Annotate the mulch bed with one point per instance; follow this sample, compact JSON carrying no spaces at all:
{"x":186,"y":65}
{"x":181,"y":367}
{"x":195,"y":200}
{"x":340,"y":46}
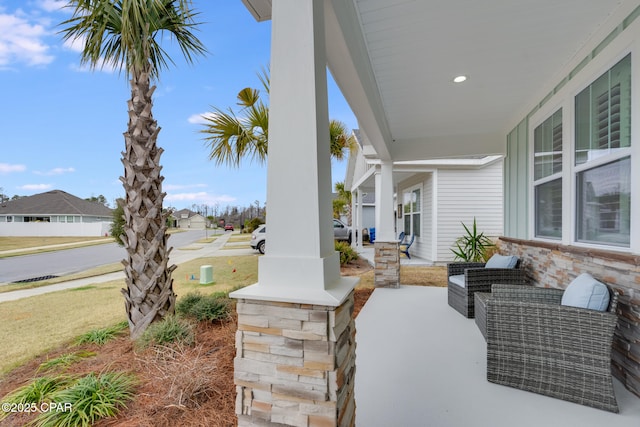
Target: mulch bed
{"x":204,"y":370}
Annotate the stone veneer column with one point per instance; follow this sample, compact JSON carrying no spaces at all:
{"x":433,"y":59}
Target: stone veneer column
{"x":387,"y":264}
{"x":295,"y":364}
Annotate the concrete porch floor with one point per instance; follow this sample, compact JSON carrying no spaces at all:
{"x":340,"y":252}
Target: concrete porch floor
{"x":420,"y":363}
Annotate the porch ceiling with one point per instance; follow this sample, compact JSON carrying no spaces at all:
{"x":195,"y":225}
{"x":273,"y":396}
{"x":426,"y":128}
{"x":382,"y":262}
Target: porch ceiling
{"x":395,"y":62}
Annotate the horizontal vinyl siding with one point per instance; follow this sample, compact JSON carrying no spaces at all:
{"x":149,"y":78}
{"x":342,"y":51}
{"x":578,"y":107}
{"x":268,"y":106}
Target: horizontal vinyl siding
{"x":360,"y":167}
{"x":463,"y":195}
{"x":421,"y":247}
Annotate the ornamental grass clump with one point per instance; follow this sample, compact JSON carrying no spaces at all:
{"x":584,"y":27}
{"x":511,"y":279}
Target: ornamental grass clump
{"x":37,"y":391}
{"x":215,"y":307}
{"x":65,"y":360}
{"x":169,"y":330}
{"x":88,"y":400}
{"x":101,"y":336}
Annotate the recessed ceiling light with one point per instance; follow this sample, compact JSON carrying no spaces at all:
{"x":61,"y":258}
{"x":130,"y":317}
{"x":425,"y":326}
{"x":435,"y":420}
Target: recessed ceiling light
{"x":459,"y":79}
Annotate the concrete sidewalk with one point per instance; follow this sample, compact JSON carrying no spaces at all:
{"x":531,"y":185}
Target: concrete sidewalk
{"x":177,"y":256}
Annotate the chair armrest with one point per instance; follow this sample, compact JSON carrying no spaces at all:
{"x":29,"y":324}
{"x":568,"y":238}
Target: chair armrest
{"x":550,"y":328}
{"x":456,"y":268}
{"x":485,"y":277}
{"x":526,"y":293}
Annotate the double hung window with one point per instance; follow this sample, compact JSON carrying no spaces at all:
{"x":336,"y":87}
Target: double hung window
{"x":547,"y":177}
{"x":412,"y":207}
{"x":603,"y":158}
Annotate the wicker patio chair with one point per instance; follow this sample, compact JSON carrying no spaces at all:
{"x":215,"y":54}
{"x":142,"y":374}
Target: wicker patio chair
{"x":477,"y":278}
{"x":536,"y":344}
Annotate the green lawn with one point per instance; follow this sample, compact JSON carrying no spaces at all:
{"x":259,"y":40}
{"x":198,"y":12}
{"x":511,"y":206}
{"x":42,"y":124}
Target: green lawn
{"x":34,"y":325}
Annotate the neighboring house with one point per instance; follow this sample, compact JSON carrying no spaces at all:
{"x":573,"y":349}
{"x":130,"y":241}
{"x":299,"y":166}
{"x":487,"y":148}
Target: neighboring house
{"x":551,"y":86}
{"x":433,"y":198}
{"x":186,"y":218}
{"x":54,"y":213}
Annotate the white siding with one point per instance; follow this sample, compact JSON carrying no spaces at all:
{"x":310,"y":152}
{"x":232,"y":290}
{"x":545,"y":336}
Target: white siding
{"x":360,"y":167}
{"x":422,"y":245}
{"x":463,"y":194}
{"x":43,"y":229}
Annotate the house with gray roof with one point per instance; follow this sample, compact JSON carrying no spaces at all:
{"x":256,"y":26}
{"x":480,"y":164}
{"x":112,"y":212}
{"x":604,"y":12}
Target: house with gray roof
{"x":186,"y":218}
{"x":54,"y":213}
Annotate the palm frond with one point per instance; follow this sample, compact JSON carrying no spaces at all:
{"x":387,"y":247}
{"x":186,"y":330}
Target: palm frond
{"x":125,"y":34}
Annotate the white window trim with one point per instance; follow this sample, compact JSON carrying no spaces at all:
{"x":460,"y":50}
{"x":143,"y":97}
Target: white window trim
{"x":410,"y":189}
{"x":565,"y":99}
{"x":536,"y":120}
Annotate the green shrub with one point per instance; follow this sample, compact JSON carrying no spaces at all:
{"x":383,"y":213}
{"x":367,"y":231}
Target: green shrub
{"x":169,"y":330}
{"x":90,"y":399}
{"x":347,"y":253}
{"x":212,"y":309}
{"x":252,"y":224}
{"x":185,"y":304}
{"x":205,"y":307}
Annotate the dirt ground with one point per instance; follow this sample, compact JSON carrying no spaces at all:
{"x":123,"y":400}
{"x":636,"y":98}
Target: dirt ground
{"x":178,"y":386}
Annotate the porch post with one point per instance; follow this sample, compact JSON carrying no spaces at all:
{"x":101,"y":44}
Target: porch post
{"x":295,"y":359}
{"x":359,"y":216}
{"x":387,"y":254}
{"x":356,"y":222}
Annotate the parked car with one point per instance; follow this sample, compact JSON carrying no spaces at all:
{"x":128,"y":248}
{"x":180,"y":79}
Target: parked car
{"x":258,"y":238}
{"x":228,"y":227}
{"x":341,"y":231}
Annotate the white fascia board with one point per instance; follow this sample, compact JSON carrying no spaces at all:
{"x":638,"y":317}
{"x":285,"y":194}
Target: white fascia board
{"x":259,"y":9}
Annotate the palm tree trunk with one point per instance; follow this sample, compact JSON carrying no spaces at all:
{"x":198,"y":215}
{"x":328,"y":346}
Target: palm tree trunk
{"x":149,"y":295}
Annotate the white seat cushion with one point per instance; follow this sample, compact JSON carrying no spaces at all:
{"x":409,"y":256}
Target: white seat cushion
{"x":586,"y":292}
{"x":502,"y":261}
{"x":458,"y":280}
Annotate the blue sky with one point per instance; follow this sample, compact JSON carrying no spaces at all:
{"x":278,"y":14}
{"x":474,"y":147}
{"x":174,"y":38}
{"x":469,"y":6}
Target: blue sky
{"x":62,"y":124}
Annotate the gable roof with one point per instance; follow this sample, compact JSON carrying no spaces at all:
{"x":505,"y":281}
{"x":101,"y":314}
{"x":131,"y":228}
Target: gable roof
{"x":189,"y":214}
{"x":55,"y":202}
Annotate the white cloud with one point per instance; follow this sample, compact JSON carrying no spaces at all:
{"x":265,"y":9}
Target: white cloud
{"x":55,"y":171}
{"x":201,"y":197}
{"x":22,"y":42}
{"x":35,"y":187}
{"x":6,"y":168}
{"x":174,"y":187}
{"x":199,"y":119}
{"x":77,"y":45}
{"x":53,"y":5}
{"x":74,"y":44}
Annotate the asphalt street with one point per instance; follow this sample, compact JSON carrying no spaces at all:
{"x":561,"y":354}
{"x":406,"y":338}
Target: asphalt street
{"x":68,"y":261}
{"x":178,"y":256}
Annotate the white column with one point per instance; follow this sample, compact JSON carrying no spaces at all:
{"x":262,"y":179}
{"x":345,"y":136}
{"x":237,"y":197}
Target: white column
{"x":385,"y":219}
{"x":359,"y":213}
{"x":300,"y":264}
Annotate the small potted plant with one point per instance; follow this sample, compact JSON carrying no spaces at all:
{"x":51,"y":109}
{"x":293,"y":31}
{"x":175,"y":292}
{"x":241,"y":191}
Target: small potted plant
{"x":472,"y":246}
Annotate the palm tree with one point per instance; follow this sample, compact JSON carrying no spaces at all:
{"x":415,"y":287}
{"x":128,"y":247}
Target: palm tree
{"x":342,"y":203}
{"x":234,"y":136}
{"x":124,"y":34}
